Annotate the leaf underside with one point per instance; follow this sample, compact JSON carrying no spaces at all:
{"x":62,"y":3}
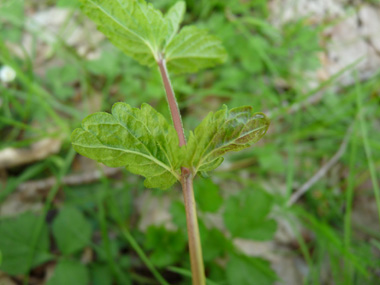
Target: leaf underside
{"x":222,"y":132}
{"x":194,"y":49}
{"x":145,"y":34}
{"x":146,"y":144}
{"x":133,"y":26}
{"x":139,"y":139}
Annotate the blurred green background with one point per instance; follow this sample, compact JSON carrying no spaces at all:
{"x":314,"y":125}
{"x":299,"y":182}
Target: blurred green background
{"x":301,"y":207}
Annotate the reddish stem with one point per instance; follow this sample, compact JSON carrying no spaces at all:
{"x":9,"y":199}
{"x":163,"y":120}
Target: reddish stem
{"x":195,"y":248}
{"x":174,"y":110}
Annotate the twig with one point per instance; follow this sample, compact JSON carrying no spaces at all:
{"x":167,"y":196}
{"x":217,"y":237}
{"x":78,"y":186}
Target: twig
{"x":323,"y":170}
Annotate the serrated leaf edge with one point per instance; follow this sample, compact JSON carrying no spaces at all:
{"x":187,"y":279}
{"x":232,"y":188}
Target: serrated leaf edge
{"x":225,"y":109}
{"x":125,"y":28}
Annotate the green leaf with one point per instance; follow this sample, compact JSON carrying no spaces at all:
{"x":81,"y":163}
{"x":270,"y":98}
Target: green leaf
{"x":133,"y":26}
{"x":101,"y":274}
{"x":16,"y":246}
{"x":71,"y":230}
{"x":69,"y":272}
{"x":143,"y":33}
{"x":207,"y":195}
{"x":193,"y":49}
{"x":221,"y":132}
{"x":167,"y":246}
{"x":215,"y":245}
{"x":254,"y":224}
{"x":139,"y":139}
{"x":173,"y":18}
{"x":244,"y":270}
{"x":178,"y":213}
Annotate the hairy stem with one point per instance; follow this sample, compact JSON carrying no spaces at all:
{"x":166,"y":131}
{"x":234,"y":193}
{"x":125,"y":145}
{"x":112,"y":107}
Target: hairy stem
{"x":195,"y":247}
{"x":172,"y":101}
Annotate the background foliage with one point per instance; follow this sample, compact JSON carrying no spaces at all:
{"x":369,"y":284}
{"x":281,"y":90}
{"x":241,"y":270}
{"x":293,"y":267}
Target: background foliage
{"x":72,"y":225}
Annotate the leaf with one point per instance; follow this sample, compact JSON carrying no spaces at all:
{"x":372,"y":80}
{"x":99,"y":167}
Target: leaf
{"x":193,"y":49}
{"x":221,"y":132}
{"x":168,"y":247}
{"x":207,"y":195}
{"x":244,"y":270}
{"x":139,"y":139}
{"x":16,"y":245}
{"x":254,"y":224}
{"x":143,"y":33}
{"x":133,"y":26}
{"x":215,"y":245}
{"x":71,"y":230}
{"x":101,"y":274}
{"x":178,"y":213}
{"x":173,"y":18}
{"x":69,"y":272}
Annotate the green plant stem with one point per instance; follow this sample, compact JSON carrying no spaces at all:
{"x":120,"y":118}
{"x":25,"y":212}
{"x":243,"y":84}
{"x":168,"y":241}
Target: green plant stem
{"x":195,"y":247}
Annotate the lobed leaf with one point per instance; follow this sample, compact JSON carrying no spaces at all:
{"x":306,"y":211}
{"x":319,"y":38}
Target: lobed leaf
{"x":193,"y":49}
{"x":139,"y":139}
{"x":221,"y":132}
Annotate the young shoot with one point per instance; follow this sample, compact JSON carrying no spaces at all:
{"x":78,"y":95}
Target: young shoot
{"x":141,"y":139}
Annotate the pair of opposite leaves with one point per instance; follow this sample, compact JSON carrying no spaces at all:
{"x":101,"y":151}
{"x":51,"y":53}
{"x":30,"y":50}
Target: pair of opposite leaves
{"x":145,"y":34}
{"x":145,"y":143}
